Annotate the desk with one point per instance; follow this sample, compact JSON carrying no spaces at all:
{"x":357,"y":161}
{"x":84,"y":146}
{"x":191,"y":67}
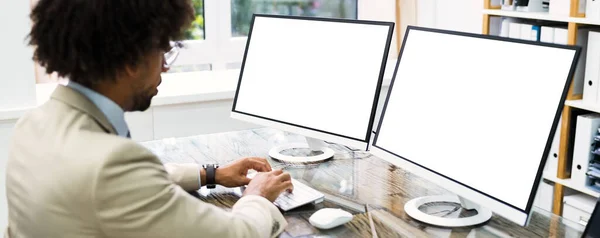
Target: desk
{"x":350,"y":180}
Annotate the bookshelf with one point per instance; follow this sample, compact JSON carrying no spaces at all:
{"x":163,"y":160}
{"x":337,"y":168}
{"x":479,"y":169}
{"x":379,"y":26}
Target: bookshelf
{"x":574,"y":105}
{"x":580,"y":104}
{"x":544,"y":16}
{"x":526,"y":15}
{"x":569,"y":184}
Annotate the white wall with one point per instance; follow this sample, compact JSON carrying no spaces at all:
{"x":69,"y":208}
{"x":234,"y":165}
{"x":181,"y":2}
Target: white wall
{"x":16,"y":65}
{"x":17,"y":79}
{"x":180,"y":120}
{"x":460,"y":15}
{"x":5,"y":132}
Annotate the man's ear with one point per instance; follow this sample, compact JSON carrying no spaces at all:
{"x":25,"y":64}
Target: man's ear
{"x":132,"y":70}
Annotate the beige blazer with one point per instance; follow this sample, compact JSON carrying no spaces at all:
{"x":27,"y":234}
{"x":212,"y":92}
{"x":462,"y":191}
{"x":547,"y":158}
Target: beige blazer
{"x":69,"y":175}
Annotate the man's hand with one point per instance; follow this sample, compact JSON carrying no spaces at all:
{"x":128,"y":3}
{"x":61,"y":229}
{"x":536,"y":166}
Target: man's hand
{"x":234,"y":174}
{"x":270,"y":185}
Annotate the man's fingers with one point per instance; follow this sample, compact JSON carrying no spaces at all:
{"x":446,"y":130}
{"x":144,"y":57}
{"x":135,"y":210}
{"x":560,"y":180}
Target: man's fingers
{"x":258,"y":165}
{"x":267,"y":163}
{"x":284,"y":177}
{"x":246,"y":180}
{"x":262,"y":160}
{"x":287,"y":185}
{"x":276,"y":172}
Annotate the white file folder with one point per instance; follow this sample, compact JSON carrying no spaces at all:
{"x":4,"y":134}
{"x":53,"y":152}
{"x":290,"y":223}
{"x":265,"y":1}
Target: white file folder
{"x":579,"y":77}
{"x":592,"y":73}
{"x":551,"y":167}
{"x":495,"y":26}
{"x":514,"y":30}
{"x":505,"y":27}
{"x":544,"y":196}
{"x":585,"y":130}
{"x":560,"y":7}
{"x":561,"y":36}
{"x":526,"y":32}
{"x":547,"y":34}
{"x":592,"y":9}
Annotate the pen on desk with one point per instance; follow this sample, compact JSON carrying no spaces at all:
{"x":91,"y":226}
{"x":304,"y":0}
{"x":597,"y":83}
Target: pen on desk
{"x":373,"y":231}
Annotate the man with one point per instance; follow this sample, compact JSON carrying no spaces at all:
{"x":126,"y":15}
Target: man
{"x":73,"y":172}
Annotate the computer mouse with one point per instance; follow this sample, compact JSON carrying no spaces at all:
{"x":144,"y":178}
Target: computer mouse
{"x":327,"y":218}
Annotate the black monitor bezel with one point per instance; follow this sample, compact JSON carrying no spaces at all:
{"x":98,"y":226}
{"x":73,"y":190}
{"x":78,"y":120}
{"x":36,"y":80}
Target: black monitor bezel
{"x":367,"y":137}
{"x":552,"y":130}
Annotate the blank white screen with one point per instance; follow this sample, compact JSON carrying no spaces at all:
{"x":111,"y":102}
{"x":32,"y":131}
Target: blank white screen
{"x":317,"y":74}
{"x":475,"y":110}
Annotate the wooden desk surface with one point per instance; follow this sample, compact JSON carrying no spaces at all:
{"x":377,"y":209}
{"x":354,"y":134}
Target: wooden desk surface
{"x":350,"y":180}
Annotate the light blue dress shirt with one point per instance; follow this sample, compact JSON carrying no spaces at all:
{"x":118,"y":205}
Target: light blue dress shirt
{"x":113,"y":112}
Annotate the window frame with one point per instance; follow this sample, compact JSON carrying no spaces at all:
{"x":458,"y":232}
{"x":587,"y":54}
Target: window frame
{"x":220,"y":48}
{"x":203,"y":51}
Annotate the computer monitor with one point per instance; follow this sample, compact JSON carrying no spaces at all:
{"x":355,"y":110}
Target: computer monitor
{"x":317,"y":77}
{"x":474,"y":114}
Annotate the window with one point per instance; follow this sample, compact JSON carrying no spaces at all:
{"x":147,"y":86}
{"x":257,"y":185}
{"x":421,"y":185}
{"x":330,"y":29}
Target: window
{"x":195,"y":35}
{"x":196,"y":31}
{"x":242,"y":10}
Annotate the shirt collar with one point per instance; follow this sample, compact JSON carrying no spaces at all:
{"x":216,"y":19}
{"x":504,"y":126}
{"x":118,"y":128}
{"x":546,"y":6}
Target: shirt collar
{"x":113,"y":112}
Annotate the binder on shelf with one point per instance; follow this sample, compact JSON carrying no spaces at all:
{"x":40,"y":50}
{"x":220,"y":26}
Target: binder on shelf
{"x":531,"y":6}
{"x":561,"y":36}
{"x":526,"y":32}
{"x":544,"y":196}
{"x":592,"y":70}
{"x":579,"y":76}
{"x":530,"y":32}
{"x":536,"y":33}
{"x":586,"y":129}
{"x":592,"y":9}
{"x":505,"y":27}
{"x":508,"y":5}
{"x":495,"y":2}
{"x":547,"y":34}
{"x":514,"y":30}
{"x":495,"y":26}
{"x":551,"y":167}
{"x":582,"y":6}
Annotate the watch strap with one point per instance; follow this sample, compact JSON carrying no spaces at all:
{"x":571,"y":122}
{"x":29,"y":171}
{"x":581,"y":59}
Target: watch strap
{"x":210,"y":175}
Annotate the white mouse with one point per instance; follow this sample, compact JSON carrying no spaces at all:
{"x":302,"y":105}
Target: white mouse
{"x":328,"y":218}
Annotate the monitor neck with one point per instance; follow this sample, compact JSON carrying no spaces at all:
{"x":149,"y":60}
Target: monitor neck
{"x":315,"y":144}
{"x":467,"y":204}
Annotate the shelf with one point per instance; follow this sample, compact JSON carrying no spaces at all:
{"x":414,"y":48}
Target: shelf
{"x":581,"y":20}
{"x":569,"y":183}
{"x":583,"y":105}
{"x":540,"y":16}
{"x":527,"y":15}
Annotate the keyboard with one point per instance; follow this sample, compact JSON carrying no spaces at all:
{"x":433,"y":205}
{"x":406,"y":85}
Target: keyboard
{"x":302,"y":195}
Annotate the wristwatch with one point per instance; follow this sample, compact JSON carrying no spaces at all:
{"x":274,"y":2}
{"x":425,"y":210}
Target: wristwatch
{"x":210,"y":169}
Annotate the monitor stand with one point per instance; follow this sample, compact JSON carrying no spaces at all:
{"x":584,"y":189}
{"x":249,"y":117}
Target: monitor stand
{"x":412,"y":209}
{"x":319,"y":152}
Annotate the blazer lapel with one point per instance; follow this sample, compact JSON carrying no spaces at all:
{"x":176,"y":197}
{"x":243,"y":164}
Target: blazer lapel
{"x":82,"y":103}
